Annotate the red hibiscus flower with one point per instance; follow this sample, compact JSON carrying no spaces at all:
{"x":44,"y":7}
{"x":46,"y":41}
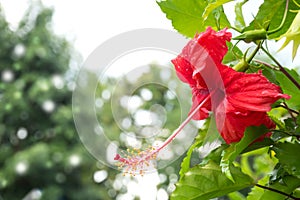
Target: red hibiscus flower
{"x":237,"y":99}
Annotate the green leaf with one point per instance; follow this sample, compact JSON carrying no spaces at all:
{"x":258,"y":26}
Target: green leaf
{"x":276,"y":20}
{"x":287,"y":154}
{"x":230,"y":154}
{"x":297,"y":131}
{"x":277,"y":121}
{"x":289,"y":88}
{"x":212,"y":131}
{"x":266,"y":142}
{"x":233,"y":54}
{"x":288,"y":185}
{"x":270,"y":74}
{"x":267,"y":11}
{"x":278,"y":135}
{"x":186,"y":16}
{"x":206,"y":182}
{"x":211,"y":6}
{"x":256,"y":192}
{"x":185,"y":165}
{"x":215,"y":155}
{"x":236,"y":196}
{"x":270,"y":15}
{"x":239,"y":18}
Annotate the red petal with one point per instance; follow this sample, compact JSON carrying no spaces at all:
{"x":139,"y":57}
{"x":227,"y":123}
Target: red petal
{"x":233,"y":125}
{"x":252,"y":92}
{"x":184,"y":70}
{"x":214,"y":42}
{"x":198,"y":97}
{"x":196,"y":64}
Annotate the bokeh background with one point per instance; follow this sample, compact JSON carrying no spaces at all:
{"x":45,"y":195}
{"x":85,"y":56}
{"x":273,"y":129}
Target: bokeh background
{"x":42,"y":47}
{"x":41,"y":155}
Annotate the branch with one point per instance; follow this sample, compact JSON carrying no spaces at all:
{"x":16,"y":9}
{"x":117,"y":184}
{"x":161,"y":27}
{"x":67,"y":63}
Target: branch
{"x":277,"y":191}
{"x":281,"y":68}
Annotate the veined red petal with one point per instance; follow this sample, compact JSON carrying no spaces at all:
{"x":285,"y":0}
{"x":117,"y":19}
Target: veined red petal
{"x":234,"y":124}
{"x":214,"y":42}
{"x":252,"y":92}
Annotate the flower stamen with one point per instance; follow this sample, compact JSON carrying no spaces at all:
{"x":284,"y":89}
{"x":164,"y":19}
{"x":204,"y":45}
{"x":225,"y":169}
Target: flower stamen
{"x":134,"y":160}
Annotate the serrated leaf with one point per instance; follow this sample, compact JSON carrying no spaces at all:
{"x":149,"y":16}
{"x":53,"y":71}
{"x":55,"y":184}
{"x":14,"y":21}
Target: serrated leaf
{"x":266,"y":12}
{"x":252,"y":133}
{"x":287,"y":154}
{"x":185,"y":164}
{"x":206,"y":182}
{"x":186,"y":16}
{"x":289,"y":88}
{"x":239,"y":21}
{"x":211,"y":6}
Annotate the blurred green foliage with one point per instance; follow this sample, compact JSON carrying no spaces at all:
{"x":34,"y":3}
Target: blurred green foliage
{"x":40,"y":153}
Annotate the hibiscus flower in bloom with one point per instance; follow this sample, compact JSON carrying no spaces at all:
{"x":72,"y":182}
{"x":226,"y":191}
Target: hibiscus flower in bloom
{"x":237,"y":99}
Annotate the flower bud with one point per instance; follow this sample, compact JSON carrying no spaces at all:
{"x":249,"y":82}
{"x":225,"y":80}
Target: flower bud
{"x":252,"y":36}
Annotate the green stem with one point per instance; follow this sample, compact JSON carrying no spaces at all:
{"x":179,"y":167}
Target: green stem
{"x":255,"y":51}
{"x":295,"y":2}
{"x":277,"y":191}
{"x":283,"y":19}
{"x":281,"y":68}
{"x":266,"y":64}
{"x":243,"y":65}
{"x":291,"y":110}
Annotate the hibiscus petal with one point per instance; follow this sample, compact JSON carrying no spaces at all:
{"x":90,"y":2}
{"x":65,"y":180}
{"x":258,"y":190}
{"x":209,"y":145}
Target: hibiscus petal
{"x":196,"y":64}
{"x":214,"y":42}
{"x":198,"y":97}
{"x":184,"y":70}
{"x":252,"y":92}
{"x":234,"y":124}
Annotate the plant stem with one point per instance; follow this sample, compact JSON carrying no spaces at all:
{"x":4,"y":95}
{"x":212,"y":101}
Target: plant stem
{"x":296,"y":3}
{"x":281,"y":68}
{"x":259,"y":45}
{"x":290,"y":112}
{"x":277,"y":191}
{"x":243,"y":65}
{"x":286,"y":107}
{"x":266,"y":64}
{"x":183,"y":124}
{"x":283,"y":19}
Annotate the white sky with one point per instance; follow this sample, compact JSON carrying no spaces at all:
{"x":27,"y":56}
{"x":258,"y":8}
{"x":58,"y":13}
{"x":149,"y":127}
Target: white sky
{"x":91,"y":22}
